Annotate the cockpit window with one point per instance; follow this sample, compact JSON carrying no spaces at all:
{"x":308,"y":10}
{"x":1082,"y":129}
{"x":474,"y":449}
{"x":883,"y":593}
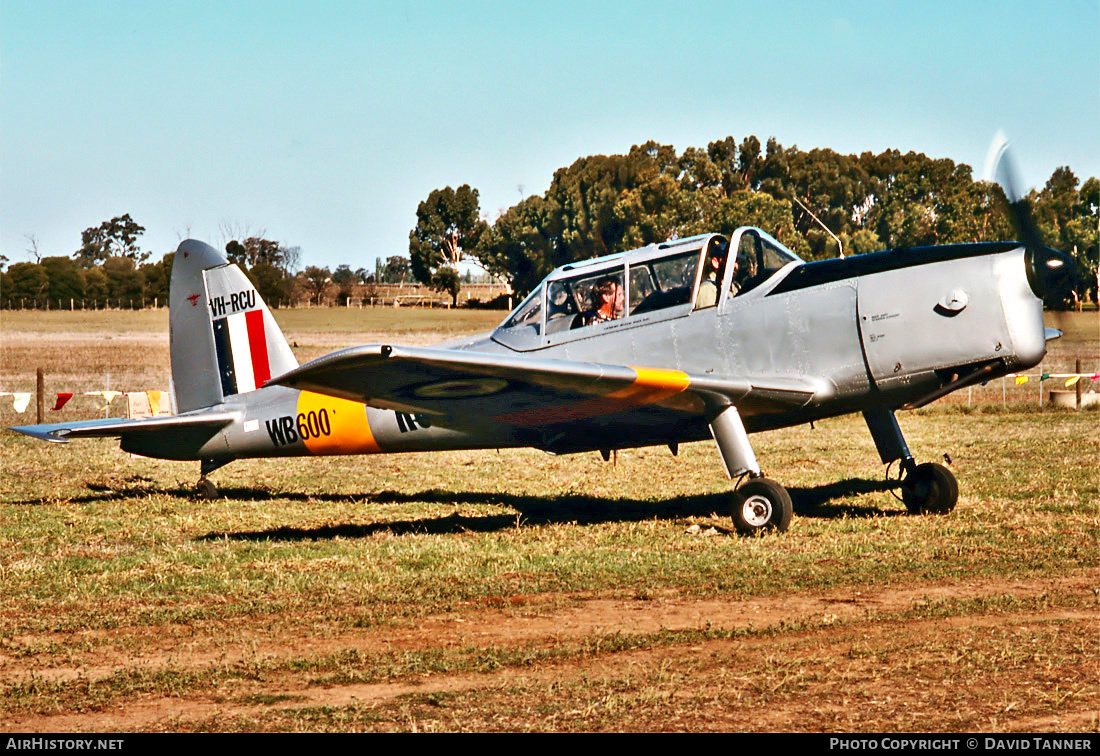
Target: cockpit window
{"x":656,"y":282}
{"x":663,"y":282}
{"x":757,"y":260}
{"x":585,"y":299}
{"x":529,"y":312}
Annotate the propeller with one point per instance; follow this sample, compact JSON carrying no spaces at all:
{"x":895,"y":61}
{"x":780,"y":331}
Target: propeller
{"x":1051,"y":274}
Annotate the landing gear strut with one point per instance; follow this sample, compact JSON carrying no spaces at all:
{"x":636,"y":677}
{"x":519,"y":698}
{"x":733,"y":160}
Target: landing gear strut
{"x":928,"y":488}
{"x":760,"y":504}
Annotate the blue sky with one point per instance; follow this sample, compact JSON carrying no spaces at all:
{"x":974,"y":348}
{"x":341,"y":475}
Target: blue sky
{"x":324,"y":124}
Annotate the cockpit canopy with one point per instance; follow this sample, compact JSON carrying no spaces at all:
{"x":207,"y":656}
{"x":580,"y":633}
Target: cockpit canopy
{"x":642,"y":286}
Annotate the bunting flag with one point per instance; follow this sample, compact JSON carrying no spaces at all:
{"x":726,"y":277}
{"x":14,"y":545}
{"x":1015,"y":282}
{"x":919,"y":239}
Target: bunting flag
{"x":63,"y":398}
{"x":154,"y":402}
{"x":1021,"y":379}
{"x":1043,"y":377}
{"x":1096,"y":376}
{"x":107,"y":395}
{"x":1073,"y":380}
{"x":22,"y":399}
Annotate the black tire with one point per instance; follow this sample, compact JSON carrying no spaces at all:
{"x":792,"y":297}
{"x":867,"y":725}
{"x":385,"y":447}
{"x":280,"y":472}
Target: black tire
{"x":761,"y":505}
{"x":206,"y":489}
{"x":930,"y":489}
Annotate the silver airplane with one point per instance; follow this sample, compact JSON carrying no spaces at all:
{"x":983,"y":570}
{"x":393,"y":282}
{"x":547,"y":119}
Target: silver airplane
{"x":671,"y":343}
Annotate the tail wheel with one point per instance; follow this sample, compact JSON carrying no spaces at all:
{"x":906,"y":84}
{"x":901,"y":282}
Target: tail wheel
{"x":760,"y":505}
{"x":930,"y":489}
{"x":206,"y":489}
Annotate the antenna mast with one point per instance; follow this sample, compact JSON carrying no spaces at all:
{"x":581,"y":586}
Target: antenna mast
{"x":839,"y":244}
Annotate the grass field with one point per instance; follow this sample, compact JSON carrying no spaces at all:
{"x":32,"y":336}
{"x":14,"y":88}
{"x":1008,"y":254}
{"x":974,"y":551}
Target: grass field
{"x":513,"y":590}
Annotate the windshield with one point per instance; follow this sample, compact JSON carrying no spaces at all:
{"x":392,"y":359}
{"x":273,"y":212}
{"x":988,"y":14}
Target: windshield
{"x":529,"y":312}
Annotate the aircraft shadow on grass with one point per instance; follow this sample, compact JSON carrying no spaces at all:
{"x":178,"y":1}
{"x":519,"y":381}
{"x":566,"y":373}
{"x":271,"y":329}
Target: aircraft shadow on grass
{"x":543,"y":510}
{"x":815,"y":501}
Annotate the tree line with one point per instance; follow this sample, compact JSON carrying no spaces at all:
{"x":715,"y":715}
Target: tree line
{"x":110,"y":269}
{"x":108,"y":266}
{"x":603,"y":204}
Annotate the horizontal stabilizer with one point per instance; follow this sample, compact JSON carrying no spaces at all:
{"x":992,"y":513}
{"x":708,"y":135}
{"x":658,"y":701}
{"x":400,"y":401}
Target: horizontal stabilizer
{"x":121,"y":427}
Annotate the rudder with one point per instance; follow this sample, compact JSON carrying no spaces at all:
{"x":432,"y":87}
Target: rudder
{"x":223,"y":338}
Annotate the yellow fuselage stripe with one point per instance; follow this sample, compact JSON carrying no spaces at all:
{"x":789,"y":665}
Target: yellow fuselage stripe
{"x":334,"y":426}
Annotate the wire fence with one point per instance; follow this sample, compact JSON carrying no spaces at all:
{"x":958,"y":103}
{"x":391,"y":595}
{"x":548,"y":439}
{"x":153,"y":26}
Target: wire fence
{"x":1045,"y":390}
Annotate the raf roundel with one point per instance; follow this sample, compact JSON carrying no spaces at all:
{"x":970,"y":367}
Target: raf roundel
{"x":462,"y":389}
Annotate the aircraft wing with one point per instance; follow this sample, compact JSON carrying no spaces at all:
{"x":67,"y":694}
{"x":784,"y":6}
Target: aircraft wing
{"x":469,"y":389}
{"x":121,"y":427}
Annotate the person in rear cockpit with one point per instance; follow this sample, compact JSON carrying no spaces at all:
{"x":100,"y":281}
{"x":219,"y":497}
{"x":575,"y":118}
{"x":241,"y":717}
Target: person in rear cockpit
{"x":712,"y":278}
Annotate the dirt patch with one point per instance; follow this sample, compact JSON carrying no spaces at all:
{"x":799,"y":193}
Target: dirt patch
{"x":831,"y":652}
{"x":522,"y":623}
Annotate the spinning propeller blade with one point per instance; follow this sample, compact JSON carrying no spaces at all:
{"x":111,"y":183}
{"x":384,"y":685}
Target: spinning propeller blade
{"x":1051,"y":274}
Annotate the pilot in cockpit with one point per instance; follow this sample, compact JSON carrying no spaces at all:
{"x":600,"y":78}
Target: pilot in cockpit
{"x":744,"y":264}
{"x":712,"y":276}
{"x":608,"y":303}
{"x":608,"y":299}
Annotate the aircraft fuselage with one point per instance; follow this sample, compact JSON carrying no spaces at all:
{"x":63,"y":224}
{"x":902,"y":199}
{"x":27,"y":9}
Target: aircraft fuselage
{"x":881,"y":330}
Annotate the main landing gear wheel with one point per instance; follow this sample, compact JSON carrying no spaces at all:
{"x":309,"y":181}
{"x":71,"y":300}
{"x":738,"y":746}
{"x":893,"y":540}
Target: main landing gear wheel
{"x":206,"y":489}
{"x":929,"y":489}
{"x":760,"y":505}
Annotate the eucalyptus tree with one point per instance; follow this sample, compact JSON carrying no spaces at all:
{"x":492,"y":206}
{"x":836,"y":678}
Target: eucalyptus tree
{"x":447,"y":229}
{"x":117,"y":237}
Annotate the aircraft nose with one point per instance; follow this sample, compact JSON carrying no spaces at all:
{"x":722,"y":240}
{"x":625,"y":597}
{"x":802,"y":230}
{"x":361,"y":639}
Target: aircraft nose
{"x":1050,"y":273}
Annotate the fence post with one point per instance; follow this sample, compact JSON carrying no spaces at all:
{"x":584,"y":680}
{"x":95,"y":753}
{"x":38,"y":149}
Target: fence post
{"x":41,"y":396}
{"x":1077,"y":369}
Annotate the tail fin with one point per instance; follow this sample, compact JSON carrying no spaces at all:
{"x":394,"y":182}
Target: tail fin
{"x":224,"y":340}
